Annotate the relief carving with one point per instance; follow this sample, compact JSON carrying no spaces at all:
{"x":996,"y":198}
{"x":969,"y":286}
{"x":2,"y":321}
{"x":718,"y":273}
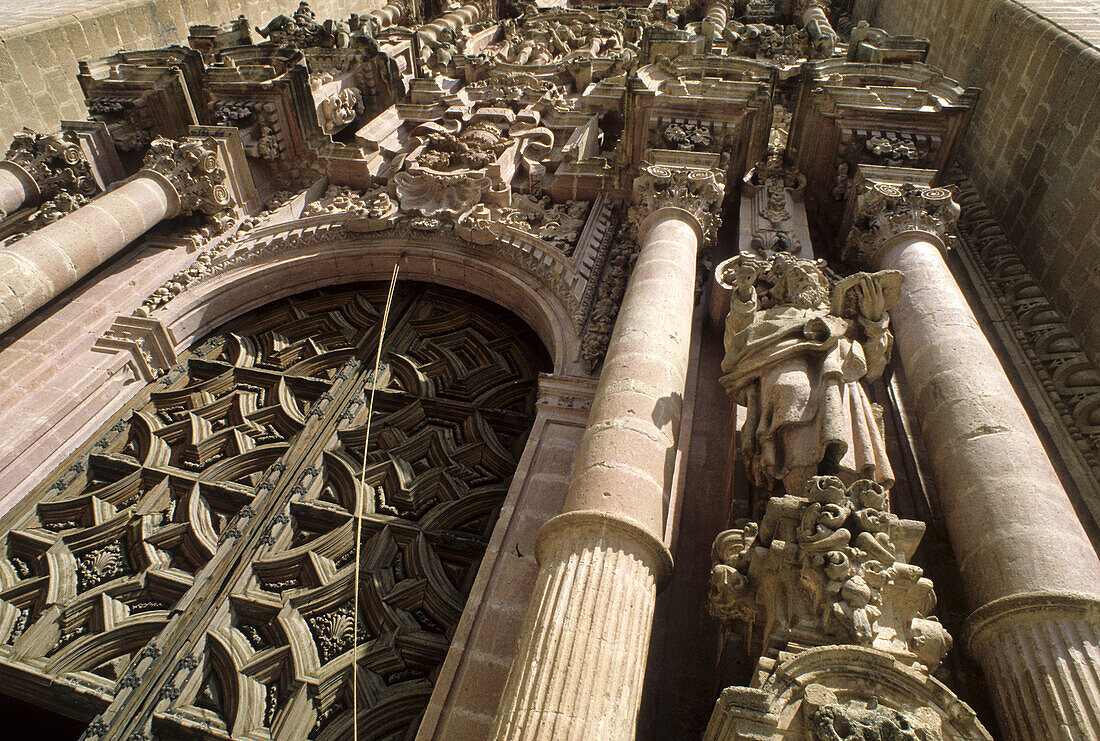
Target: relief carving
{"x":56,"y":164}
{"x":884,"y":211}
{"x":832,"y":564}
{"x":192,"y":168}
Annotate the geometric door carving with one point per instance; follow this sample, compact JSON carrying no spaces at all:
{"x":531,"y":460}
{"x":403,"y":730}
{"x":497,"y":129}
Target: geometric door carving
{"x":190,"y":571}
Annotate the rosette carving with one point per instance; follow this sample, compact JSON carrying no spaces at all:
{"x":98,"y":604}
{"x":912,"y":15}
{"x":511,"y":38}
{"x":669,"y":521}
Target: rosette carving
{"x":698,"y":191}
{"x":191,"y":166}
{"x":883,"y":211}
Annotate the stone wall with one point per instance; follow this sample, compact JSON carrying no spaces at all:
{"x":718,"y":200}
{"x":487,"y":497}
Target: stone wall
{"x":38,"y":61}
{"x":1033,"y":145}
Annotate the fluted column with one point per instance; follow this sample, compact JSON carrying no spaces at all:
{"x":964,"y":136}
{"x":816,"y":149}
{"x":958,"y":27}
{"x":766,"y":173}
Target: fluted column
{"x":38,"y":166}
{"x":581,"y":658}
{"x":1028,"y":567}
{"x":178,"y":178}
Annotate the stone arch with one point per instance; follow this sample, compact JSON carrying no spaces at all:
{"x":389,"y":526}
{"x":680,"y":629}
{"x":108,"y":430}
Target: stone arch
{"x":211,"y":303}
{"x":227,"y":494}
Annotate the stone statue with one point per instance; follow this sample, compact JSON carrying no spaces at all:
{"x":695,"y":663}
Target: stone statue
{"x":796,"y":357}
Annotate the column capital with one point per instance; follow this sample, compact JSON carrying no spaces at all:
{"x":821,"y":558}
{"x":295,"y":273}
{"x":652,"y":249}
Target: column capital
{"x":192,"y":168}
{"x":48,"y":163}
{"x":881,"y":211}
{"x":695,"y":191}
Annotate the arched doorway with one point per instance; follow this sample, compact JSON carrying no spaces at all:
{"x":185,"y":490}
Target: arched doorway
{"x":192,"y":566}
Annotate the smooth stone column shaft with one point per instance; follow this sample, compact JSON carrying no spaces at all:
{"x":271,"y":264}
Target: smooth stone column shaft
{"x":581,"y":659}
{"x":625,"y":460}
{"x":13,"y":188}
{"x":44,"y":263}
{"x":1012,"y":526}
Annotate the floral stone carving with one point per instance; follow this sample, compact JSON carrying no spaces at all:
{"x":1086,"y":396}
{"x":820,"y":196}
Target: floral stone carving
{"x":698,"y":191}
{"x":796,"y":353}
{"x":829,"y":567}
{"x":884,"y":211}
{"x":55,"y":163}
{"x":191,"y":166}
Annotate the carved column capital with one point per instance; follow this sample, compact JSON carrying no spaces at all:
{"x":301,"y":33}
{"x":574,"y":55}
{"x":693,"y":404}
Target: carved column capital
{"x":883,"y":211}
{"x":191,"y":167}
{"x":696,"y":191}
{"x":49,"y":163}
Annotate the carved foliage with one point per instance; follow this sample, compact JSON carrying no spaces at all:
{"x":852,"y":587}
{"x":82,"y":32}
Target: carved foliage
{"x":884,"y":210}
{"x":56,"y":163}
{"x":192,"y":168}
{"x":831,"y":567}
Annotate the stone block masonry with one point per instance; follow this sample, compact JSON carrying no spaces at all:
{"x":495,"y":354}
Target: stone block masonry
{"x":1032,"y":148}
{"x":40,"y":46}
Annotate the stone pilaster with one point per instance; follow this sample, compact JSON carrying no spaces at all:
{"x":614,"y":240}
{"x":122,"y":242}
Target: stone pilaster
{"x":179,"y":177}
{"x":581,"y":657}
{"x":37,"y":167}
{"x":1012,"y":526}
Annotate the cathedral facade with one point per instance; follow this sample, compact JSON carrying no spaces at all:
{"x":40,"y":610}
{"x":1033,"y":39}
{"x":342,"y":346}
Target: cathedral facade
{"x":536,"y":371}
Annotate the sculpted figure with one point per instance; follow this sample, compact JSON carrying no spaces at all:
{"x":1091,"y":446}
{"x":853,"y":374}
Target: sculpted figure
{"x":796,"y":360}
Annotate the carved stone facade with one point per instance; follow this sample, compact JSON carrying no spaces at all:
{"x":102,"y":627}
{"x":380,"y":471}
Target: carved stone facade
{"x":673,"y":378}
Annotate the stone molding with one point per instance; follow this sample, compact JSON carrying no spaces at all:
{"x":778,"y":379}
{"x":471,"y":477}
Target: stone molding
{"x":609,"y":528}
{"x":850,"y":684}
{"x":145,"y":339}
{"x":884,"y":211}
{"x":192,"y":169}
{"x":998,"y":615}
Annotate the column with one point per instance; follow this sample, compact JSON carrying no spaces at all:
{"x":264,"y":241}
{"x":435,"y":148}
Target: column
{"x":37,"y":167}
{"x":816,"y":23}
{"x":178,"y":177}
{"x":1028,"y":567}
{"x":578,"y":670}
{"x":387,"y":15}
{"x":714,"y":22}
{"x":453,"y":21}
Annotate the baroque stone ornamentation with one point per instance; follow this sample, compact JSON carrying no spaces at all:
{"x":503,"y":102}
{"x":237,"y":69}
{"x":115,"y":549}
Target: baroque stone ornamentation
{"x":884,"y":211}
{"x":193,"y":170}
{"x":255,"y":550}
{"x":797,"y":353}
{"x":694,"y":190}
{"x":831,"y":564}
{"x":55,"y":163}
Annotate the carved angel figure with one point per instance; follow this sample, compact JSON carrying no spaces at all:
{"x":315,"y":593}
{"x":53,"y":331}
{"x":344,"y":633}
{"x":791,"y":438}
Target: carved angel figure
{"x":797,"y":360}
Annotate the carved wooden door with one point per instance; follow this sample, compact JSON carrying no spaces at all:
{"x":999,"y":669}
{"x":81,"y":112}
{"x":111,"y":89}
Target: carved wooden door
{"x":190,"y":572}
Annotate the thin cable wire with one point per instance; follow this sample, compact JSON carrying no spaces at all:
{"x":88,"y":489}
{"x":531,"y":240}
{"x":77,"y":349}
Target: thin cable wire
{"x":359,"y":509}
